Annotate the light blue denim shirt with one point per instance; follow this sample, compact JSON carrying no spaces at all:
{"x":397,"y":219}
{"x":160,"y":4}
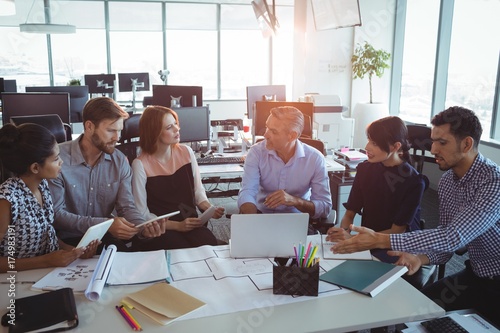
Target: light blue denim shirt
{"x":84,"y":196}
{"x":304,"y":176}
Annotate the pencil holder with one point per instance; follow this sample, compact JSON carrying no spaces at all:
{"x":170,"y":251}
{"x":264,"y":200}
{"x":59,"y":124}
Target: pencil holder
{"x":294,"y":280}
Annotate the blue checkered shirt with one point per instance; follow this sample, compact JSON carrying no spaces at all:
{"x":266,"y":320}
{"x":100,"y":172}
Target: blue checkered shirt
{"x":469,"y":215}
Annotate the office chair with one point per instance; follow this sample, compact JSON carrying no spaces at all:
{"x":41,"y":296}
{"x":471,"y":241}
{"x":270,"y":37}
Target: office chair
{"x":52,"y":122}
{"x":322,"y":225}
{"x":318,"y":144}
{"x":419,"y":137}
{"x":129,"y":140}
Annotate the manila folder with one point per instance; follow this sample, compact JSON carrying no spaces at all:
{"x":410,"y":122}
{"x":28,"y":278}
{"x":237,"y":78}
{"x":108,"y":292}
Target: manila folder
{"x":163,"y":302}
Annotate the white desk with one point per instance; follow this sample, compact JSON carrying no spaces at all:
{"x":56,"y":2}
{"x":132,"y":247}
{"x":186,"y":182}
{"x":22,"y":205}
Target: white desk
{"x":236,"y":170}
{"x":399,"y":303}
{"x":221,"y":170}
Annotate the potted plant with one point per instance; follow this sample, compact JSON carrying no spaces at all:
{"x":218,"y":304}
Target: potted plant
{"x":367,"y":61}
{"x":74,"y":82}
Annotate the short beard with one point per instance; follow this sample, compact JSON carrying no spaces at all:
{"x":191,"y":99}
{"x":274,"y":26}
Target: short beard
{"x":101,"y":145}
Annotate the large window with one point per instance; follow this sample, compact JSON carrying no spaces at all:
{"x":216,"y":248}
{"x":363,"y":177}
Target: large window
{"x":467,"y":70}
{"x":136,"y":42}
{"x":217,"y":46}
{"x":23,"y":57}
{"x":474,"y":53}
{"x":419,"y":56}
{"x":244,"y":53}
{"x":76,"y":55}
{"x":192,"y":46}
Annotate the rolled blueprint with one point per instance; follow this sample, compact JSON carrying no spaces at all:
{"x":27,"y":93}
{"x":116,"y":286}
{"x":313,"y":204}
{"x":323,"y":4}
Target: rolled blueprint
{"x":96,"y":285}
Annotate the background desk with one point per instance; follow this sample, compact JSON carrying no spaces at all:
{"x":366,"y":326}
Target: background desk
{"x":399,"y":303}
{"x":232,"y":173}
{"x":235,"y":170}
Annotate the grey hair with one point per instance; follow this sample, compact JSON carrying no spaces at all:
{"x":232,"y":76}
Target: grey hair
{"x":292,"y":116}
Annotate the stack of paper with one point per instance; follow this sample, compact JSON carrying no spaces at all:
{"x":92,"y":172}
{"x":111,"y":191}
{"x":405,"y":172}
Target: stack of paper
{"x":328,"y":254}
{"x":112,"y":268}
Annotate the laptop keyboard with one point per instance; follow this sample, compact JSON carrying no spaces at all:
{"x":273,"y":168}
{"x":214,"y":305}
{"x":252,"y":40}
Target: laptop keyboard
{"x":220,"y":160}
{"x":443,"y":325}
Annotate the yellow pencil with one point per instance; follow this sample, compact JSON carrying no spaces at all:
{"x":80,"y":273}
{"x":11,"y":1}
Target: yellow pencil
{"x":312,"y":256}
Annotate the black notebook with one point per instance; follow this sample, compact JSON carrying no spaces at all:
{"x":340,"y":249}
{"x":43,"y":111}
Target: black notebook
{"x":48,"y":312}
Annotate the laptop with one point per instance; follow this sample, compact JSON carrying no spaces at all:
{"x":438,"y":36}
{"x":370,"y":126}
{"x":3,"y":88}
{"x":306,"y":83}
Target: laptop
{"x":267,"y":235}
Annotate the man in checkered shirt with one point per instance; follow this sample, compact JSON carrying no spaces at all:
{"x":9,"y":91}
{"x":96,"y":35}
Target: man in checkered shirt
{"x":469,"y":215}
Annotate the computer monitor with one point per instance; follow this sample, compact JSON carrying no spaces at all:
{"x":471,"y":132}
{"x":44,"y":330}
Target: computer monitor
{"x":127,"y":82}
{"x":7,"y":86}
{"x":100,"y":83}
{"x":133,"y":82}
{"x":10,"y":86}
{"x":162,"y":95}
{"x":263,"y":110}
{"x":194,"y":123}
{"x":264,"y":93}
{"x":78,"y":96}
{"x":35,"y":103}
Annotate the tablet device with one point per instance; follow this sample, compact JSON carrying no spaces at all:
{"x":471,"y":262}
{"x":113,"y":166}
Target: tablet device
{"x":157,"y":218}
{"x":95,"y":232}
{"x":207,"y":215}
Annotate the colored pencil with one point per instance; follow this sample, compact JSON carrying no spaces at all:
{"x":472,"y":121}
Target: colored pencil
{"x":124,"y":315}
{"x":136,"y":324}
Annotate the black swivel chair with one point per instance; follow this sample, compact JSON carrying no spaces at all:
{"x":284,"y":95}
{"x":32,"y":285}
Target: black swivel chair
{"x":420,"y":143}
{"x":52,"y":122}
{"x":129,"y":140}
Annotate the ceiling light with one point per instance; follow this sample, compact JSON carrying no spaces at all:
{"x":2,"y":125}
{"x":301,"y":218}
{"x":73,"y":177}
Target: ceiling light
{"x":47,"y":28}
{"x":7,"y":7}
